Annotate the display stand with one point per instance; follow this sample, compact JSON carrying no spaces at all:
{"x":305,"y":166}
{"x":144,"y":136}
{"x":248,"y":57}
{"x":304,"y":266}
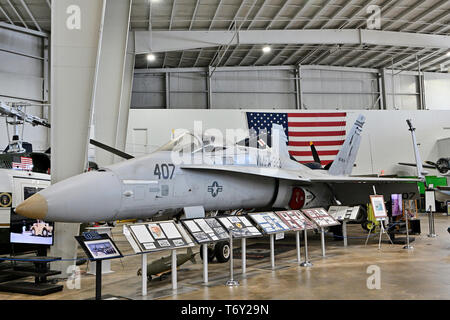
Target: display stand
{"x":205,"y":263}
{"x":106,"y":265}
{"x":322,"y":239}
{"x":98,"y":247}
{"x":231,"y":282}
{"x":244,"y":255}
{"x":98,"y":280}
{"x":408,"y":247}
{"x":297,"y":242}
{"x":344,"y":232}
{"x":174,"y":270}
{"x":382,"y":231}
{"x":40,"y":272}
{"x":430,"y":204}
{"x":144,"y":274}
{"x":431,"y":233}
{"x":272,"y":251}
{"x":306,"y":263}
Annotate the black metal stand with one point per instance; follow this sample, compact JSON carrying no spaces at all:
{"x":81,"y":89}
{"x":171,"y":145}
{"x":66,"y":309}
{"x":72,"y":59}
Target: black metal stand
{"x":98,"y":280}
{"x":40,"y":272}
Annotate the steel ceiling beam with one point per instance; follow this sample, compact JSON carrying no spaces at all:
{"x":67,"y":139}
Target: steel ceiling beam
{"x":30,"y":14}
{"x":172,"y":14}
{"x":190,"y":27}
{"x":277,"y":14}
{"x":439,"y":19}
{"x":233,"y":23}
{"x":6,"y":15}
{"x":17,"y":13}
{"x":215,"y":14}
{"x":437,"y":65}
{"x":248,"y":27}
{"x":182,"y":40}
{"x":440,"y":56}
{"x":385,"y":9}
{"x":387,"y":25}
{"x":420,"y":16}
{"x":342,"y":26}
{"x":425,"y":13}
{"x":334,"y":15}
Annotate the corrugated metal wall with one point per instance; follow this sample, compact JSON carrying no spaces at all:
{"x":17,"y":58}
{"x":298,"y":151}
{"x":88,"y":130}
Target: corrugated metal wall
{"x":260,"y":88}
{"x":22,"y":66}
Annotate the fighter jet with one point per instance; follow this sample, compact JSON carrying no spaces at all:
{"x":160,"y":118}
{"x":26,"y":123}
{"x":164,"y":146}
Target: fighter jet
{"x":189,"y":172}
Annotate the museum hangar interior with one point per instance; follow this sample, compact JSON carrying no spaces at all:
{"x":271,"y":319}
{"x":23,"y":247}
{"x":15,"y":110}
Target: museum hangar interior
{"x":224,"y":149}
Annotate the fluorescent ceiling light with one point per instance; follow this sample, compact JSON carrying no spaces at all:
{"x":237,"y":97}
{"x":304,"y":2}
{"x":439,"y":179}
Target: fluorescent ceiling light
{"x":266,"y":49}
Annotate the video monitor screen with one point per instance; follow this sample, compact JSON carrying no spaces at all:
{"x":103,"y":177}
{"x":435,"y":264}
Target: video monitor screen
{"x":29,"y":231}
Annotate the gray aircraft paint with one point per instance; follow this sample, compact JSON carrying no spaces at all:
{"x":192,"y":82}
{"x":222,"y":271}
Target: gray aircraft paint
{"x":152,"y":185}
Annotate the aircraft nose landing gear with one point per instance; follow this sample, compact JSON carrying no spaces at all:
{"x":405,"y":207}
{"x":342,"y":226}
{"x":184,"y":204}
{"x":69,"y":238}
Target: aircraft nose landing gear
{"x":220,"y":250}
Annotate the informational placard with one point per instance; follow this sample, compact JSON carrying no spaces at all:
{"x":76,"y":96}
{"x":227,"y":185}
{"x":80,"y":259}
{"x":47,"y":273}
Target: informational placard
{"x":155,"y":236}
{"x":269,"y":222}
{"x":320,"y":217}
{"x":342,"y":213}
{"x":205,"y":230}
{"x":241,"y":225}
{"x":379,"y":209}
{"x":295,"y":220}
{"x":430,"y":201}
{"x":98,"y":246}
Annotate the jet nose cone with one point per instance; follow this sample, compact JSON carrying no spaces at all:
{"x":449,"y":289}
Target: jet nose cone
{"x":35,"y":207}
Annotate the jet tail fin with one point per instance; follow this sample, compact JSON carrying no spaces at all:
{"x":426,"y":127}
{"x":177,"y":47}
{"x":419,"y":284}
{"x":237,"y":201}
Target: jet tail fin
{"x":280,"y":149}
{"x":190,"y":253}
{"x":343,"y":164}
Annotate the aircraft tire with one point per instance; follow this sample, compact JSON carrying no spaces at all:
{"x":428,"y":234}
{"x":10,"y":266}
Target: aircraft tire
{"x":362,"y":215}
{"x":222,"y":251}
{"x":211,"y":254}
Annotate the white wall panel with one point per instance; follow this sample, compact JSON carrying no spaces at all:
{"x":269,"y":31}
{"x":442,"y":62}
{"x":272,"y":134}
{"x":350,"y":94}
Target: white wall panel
{"x":437,"y":91}
{"x":385,"y":139}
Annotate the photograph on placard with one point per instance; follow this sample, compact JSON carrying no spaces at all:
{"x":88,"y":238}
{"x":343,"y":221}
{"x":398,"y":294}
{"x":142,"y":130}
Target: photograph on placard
{"x":379,"y":208}
{"x":156,"y":231}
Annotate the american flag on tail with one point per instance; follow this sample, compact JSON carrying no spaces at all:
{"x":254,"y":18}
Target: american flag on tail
{"x":325,"y":129}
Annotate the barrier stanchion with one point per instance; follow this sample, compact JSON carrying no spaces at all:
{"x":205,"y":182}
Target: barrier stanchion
{"x":307,"y":263}
{"x":231,"y":282}
{"x":174,"y":270}
{"x":144,"y":274}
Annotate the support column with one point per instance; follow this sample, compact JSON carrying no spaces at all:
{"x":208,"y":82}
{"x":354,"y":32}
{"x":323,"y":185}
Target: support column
{"x":108,"y":89}
{"x":299,"y":88}
{"x":125,"y":98}
{"x":208,"y":85}
{"x":74,"y":51}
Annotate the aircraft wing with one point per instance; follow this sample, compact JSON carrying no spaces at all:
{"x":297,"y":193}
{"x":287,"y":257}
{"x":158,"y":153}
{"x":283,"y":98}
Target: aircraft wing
{"x":350,"y":179}
{"x":415,"y":165}
{"x":258,"y":171}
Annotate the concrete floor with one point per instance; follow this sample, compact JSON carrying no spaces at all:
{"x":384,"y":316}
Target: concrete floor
{"x":422,"y":273}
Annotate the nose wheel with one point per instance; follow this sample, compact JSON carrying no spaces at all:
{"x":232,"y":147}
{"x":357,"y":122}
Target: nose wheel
{"x":220,"y":250}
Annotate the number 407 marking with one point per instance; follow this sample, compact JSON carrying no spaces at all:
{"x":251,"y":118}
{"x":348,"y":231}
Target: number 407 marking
{"x":164,"y":171}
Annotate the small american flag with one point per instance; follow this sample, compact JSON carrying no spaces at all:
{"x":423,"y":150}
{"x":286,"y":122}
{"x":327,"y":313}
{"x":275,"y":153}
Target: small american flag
{"x":25,"y":164}
{"x":325,"y":129}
